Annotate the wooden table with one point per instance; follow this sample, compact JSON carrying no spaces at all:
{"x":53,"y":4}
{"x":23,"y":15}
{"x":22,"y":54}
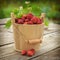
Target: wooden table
{"x":49,"y":49}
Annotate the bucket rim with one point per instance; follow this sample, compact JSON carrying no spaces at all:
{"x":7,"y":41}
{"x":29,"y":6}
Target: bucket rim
{"x":29,"y":24}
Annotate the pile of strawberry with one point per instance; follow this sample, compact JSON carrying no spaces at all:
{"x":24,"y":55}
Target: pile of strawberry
{"x":30,"y":52}
{"x":28,"y":19}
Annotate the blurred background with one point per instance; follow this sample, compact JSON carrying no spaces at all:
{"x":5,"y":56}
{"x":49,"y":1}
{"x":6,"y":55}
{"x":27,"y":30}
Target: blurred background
{"x":50,"y":7}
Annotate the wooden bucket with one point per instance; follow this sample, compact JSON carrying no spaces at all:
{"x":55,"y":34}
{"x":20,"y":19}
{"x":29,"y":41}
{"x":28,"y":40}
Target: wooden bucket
{"x":27,"y":36}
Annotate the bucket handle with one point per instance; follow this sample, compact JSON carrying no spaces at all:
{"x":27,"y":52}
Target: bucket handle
{"x":34,"y":41}
{"x":13,"y":17}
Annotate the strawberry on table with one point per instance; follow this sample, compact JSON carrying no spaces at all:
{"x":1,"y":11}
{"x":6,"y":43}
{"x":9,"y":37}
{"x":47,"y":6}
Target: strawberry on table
{"x":31,"y":52}
{"x":23,"y":52}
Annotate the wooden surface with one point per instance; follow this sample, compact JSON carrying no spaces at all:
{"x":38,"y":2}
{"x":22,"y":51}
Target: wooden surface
{"x":50,"y":46}
{"x":52,"y":55}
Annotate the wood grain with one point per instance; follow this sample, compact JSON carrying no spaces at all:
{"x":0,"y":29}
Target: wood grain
{"x":5,"y":36}
{"x":51,"y":41}
{"x":52,"y":55}
{"x":3,"y":21}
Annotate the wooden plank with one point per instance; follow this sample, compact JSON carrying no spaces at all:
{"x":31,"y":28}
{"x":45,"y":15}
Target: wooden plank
{"x":50,"y":41}
{"x":54,"y":26}
{"x":5,"y":36}
{"x":52,"y":55}
{"x":3,"y":21}
{"x":15,"y":56}
{"x":6,"y":49}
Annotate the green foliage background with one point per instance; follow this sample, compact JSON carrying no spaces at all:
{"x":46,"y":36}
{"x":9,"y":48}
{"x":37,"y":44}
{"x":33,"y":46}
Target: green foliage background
{"x":50,"y":7}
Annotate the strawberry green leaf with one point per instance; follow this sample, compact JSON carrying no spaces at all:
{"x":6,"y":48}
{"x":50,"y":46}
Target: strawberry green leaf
{"x":8,"y":24}
{"x":15,"y":11}
{"x":46,"y":21}
{"x":19,"y":15}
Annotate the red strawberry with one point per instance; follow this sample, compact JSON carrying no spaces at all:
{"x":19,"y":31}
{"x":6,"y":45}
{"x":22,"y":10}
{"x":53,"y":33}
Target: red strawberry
{"x":24,"y":17}
{"x":32,"y":50}
{"x":29,"y":22}
{"x":39,"y":21}
{"x":30,"y":53}
{"x":23,"y":52}
{"x":29,"y":16}
{"x":20,"y":21}
{"x":34,"y":20}
{"x":16,"y":20}
{"x":26,"y":20}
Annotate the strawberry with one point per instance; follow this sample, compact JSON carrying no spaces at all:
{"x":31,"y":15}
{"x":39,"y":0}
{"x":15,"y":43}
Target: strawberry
{"x":39,"y":21}
{"x":26,"y":20}
{"x":16,"y":20}
{"x":31,"y":52}
{"x":24,"y":17}
{"x":34,"y":20}
{"x":29,"y":22}
{"x":20,"y":21}
{"x":29,"y":16}
{"x":23,"y":52}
